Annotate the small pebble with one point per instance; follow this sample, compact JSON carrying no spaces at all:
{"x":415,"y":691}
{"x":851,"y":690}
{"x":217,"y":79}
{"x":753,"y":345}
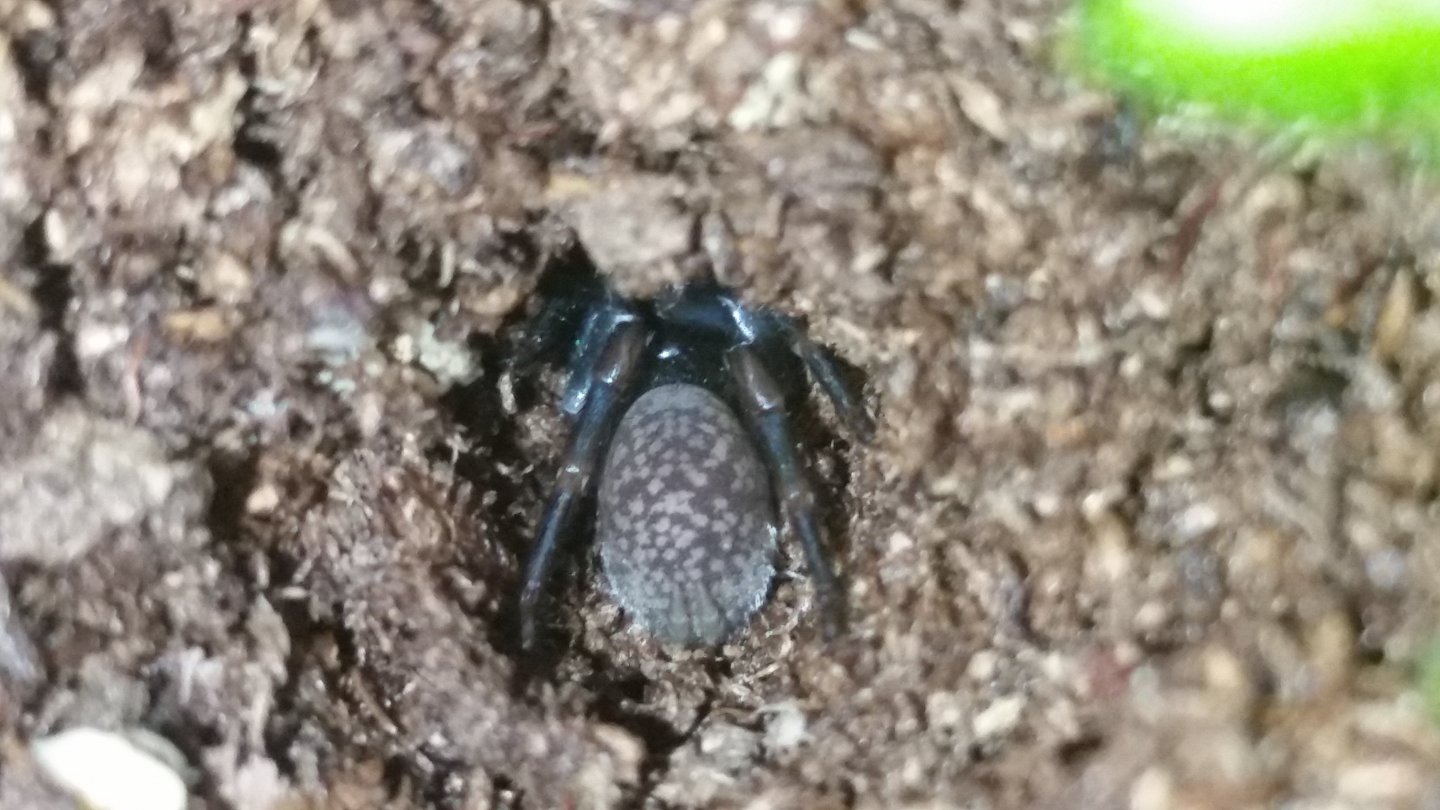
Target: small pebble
{"x":1397,"y":312}
{"x":105,"y":771}
{"x":999,"y":718}
{"x":262,"y":500}
{"x":982,"y":666}
{"x":627,"y":752}
{"x":944,"y":710}
{"x":1381,"y":783}
{"x":983,"y":108}
{"x":1109,"y":557}
{"x":1197,"y":520}
{"x":59,"y":237}
{"x":785,"y":728}
{"x":226,"y":278}
{"x":1152,"y":791}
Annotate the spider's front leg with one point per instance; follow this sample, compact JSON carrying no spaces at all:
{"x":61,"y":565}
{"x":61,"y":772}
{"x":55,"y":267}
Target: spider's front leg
{"x":765,"y":405}
{"x":603,"y":321}
{"x":725,"y":314}
{"x":606,"y":380}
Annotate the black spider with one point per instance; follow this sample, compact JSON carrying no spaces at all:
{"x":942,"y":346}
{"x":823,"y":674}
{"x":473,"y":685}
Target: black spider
{"x":685,"y":513}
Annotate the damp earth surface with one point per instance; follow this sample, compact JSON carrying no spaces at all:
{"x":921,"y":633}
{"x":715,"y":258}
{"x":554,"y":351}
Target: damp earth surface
{"x":1148,"y":520}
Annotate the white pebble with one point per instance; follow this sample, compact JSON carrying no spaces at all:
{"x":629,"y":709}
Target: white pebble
{"x":105,"y":771}
{"x":785,"y":728}
{"x":944,"y":710}
{"x":999,"y":718}
{"x":982,"y":666}
{"x":1152,"y":791}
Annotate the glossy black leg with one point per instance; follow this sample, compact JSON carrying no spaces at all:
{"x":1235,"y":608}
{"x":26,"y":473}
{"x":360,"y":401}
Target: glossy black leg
{"x":600,"y":323}
{"x":765,"y":406}
{"x":609,"y":376}
{"x":724,"y":315}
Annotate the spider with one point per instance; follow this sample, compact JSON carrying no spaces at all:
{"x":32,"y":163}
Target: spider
{"x":687,"y":490}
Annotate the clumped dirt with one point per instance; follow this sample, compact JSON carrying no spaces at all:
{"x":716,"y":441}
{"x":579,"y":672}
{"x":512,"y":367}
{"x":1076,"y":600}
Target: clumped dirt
{"x":1149,"y":521}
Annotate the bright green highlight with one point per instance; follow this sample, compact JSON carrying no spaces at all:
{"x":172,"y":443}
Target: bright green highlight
{"x":1353,"y":65}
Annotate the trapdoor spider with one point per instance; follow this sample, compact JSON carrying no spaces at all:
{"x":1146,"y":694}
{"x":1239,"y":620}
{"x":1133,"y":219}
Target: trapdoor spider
{"x":687,"y":493}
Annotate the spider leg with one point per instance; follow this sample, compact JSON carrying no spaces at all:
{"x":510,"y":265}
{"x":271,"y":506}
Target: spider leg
{"x":555,"y":325}
{"x":826,"y":373}
{"x":726,"y":315}
{"x":606,"y":383}
{"x":765,"y":405}
{"x":600,"y":323}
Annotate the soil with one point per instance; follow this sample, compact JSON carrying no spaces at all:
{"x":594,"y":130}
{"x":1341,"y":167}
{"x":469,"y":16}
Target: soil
{"x":1148,"y":522}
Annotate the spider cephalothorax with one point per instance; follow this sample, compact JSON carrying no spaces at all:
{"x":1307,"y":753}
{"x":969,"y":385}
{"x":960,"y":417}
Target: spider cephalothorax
{"x":678,"y":414}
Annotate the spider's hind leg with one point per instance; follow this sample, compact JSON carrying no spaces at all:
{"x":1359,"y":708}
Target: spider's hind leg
{"x":607,"y":378}
{"x":825,"y":371}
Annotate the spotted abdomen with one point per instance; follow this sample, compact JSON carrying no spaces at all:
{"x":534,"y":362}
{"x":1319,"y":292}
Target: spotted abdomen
{"x":686,"y":527}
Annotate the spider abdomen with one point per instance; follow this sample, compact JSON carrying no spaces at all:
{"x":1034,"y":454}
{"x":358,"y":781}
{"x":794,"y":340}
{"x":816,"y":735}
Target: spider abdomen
{"x":686,"y":525}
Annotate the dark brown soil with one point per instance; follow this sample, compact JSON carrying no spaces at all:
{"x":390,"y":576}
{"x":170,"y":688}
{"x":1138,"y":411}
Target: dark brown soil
{"x":1149,"y":522}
